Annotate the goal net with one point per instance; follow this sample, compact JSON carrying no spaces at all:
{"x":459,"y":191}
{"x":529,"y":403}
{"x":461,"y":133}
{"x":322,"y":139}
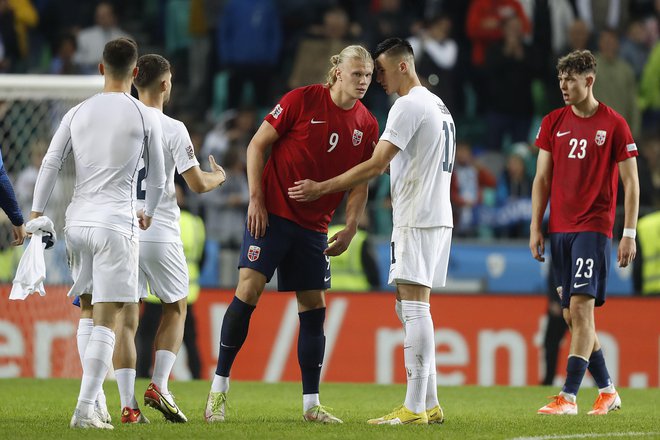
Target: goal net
{"x":37,"y":335}
{"x":31,"y":108}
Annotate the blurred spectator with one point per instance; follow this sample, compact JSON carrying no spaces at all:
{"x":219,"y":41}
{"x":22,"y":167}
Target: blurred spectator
{"x":649,"y":90}
{"x":355,"y":270}
{"x":9,"y":50}
{"x":225,"y":211}
{"x":615,"y":84}
{"x":509,"y":67}
{"x":234,"y":127}
{"x":551,"y":20}
{"x":63,"y":62}
{"x":436,"y":54}
{"x":604,"y":14}
{"x":485,"y":24}
{"x":249,"y":42}
{"x":330,"y":39}
{"x":9,"y":255}
{"x":202,"y":29}
{"x":468,"y":181}
{"x":579,"y":38}
{"x":484,"y":27}
{"x":380,"y":206}
{"x":388,"y":18}
{"x":513,"y":186}
{"x":26,"y":179}
{"x":635,"y":47}
{"x":25,"y":19}
{"x":649,"y":170}
{"x":646,"y":267}
{"x":92,"y":40}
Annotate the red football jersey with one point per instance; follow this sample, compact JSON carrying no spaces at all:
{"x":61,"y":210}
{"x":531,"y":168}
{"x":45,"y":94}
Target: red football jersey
{"x":318,"y":141}
{"x":585,"y":153}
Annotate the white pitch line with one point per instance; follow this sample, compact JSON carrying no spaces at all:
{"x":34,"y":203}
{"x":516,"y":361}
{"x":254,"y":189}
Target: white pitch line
{"x":591,"y":435}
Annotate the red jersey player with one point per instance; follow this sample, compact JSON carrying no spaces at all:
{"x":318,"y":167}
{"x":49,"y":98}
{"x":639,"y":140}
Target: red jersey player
{"x":584,"y":146}
{"x":317,"y":131}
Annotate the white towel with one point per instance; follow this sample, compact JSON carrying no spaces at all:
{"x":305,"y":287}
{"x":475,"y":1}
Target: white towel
{"x":31,"y":271}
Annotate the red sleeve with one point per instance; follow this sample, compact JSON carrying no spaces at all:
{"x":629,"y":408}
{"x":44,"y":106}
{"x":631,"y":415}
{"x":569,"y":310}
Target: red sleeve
{"x":286,"y":112}
{"x":372,"y":140}
{"x":543,"y":136}
{"x":622,"y":141}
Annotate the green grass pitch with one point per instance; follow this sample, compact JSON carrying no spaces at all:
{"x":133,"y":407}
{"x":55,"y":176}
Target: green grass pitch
{"x":33,"y":408}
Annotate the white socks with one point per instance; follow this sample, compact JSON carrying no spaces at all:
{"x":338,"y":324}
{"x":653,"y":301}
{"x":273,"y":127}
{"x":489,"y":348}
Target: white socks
{"x":163,"y":363}
{"x":220,"y":384}
{"x":310,"y":401}
{"x":85,"y":327}
{"x":126,"y":384}
{"x":418,"y":349}
{"x":96,"y":363}
{"x":431,"y":387}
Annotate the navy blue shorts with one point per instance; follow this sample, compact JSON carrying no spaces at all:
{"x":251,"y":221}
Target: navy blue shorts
{"x":580,"y":262}
{"x":296,"y":252}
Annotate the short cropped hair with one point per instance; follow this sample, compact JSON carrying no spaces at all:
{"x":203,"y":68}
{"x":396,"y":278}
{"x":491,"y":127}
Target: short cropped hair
{"x":578,"y":62}
{"x":349,"y":52}
{"x":119,"y":56}
{"x":150,"y":68}
{"x":394,"y":47}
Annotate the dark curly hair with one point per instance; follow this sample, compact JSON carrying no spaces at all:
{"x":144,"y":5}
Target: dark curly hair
{"x":578,"y":62}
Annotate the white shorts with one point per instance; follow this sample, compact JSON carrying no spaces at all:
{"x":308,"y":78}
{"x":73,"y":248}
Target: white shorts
{"x":420,"y":256}
{"x":163,"y":266}
{"x":104,"y":263}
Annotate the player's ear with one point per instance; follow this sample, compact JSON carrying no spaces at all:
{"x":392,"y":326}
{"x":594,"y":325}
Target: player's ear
{"x":136,"y":69}
{"x":590,"y":80}
{"x":101,"y":69}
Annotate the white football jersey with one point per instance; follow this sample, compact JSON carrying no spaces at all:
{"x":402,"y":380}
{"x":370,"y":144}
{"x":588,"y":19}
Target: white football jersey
{"x":108,"y":135}
{"x":178,"y":153}
{"x":420,"y":125}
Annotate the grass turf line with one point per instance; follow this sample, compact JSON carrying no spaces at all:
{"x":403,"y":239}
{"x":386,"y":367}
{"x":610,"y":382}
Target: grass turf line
{"x":34,"y":408}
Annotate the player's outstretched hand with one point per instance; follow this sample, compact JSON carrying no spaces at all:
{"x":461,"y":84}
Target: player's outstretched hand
{"x":144,"y":220}
{"x":537,"y":245}
{"x":19,"y":235}
{"x":626,"y":252}
{"x":257,"y":218}
{"x":338,"y":243}
{"x":215,"y":168}
{"x":305,"y":191}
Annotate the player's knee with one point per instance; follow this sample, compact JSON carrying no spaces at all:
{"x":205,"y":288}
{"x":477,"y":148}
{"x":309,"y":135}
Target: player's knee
{"x":176,"y":309}
{"x":250,"y":286}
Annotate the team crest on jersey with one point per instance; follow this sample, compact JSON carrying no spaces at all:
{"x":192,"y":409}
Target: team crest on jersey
{"x":600,"y":137}
{"x":253,"y":253}
{"x":191,"y":151}
{"x":277,"y":111}
{"x":357,"y":137}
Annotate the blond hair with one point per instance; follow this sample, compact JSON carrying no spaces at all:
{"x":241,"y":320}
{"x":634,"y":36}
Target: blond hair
{"x":349,"y":52}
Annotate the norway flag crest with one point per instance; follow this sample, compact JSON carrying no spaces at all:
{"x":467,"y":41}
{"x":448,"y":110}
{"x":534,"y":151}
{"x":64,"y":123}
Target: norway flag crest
{"x":601,"y":135}
{"x":253,"y":253}
{"x":357,"y":137}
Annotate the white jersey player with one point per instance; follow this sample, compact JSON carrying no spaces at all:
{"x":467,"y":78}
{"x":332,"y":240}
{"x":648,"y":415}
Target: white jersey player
{"x":163,"y":268}
{"x":108,"y":135}
{"x":419,"y":145}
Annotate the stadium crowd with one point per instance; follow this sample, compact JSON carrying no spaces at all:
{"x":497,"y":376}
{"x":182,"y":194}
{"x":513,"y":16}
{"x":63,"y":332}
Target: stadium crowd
{"x":491,"y":61}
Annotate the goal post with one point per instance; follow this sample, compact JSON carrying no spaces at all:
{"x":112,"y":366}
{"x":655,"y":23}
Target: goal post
{"x":31,"y":108}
